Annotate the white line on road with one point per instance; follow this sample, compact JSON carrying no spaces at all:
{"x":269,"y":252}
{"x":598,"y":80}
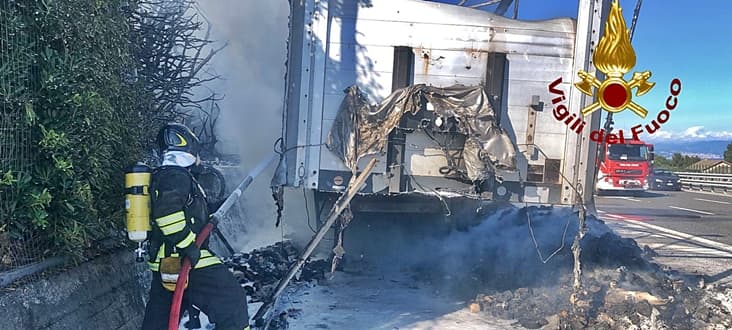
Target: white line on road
{"x":690,"y":210}
{"x":707,"y":242}
{"x":711,"y":201}
{"x":623,"y":197}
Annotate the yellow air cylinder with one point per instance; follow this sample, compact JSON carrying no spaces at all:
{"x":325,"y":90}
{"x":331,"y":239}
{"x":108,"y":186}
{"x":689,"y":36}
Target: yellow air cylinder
{"x":137,"y":201}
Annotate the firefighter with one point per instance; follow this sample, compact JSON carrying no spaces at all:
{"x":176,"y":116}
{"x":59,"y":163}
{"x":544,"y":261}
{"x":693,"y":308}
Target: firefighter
{"x":179,"y":212}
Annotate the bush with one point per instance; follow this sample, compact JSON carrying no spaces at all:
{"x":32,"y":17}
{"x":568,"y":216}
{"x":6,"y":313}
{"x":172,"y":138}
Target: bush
{"x":84,"y":121}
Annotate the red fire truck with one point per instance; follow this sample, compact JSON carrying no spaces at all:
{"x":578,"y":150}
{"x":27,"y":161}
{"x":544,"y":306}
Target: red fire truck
{"x":625,"y":167}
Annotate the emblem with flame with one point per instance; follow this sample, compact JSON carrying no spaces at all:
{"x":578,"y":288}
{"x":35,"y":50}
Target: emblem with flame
{"x":614,"y":56}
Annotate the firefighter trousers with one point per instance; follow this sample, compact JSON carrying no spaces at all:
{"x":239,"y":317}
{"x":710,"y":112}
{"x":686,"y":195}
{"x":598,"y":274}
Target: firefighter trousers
{"x":212,"y":289}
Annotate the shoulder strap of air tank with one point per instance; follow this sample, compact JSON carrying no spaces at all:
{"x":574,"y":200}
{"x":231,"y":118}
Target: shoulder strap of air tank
{"x":196,"y":187}
{"x":158,"y":169}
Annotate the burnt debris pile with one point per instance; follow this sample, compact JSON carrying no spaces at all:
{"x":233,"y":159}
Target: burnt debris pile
{"x":517,"y":265}
{"x":615,"y":299}
{"x":259,"y":270}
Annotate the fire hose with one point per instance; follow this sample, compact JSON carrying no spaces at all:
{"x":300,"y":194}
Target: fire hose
{"x":180,"y":285}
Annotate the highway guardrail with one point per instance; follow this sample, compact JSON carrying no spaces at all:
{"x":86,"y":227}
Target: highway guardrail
{"x":713,"y":182}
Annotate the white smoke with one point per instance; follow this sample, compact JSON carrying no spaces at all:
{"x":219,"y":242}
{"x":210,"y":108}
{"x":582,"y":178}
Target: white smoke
{"x":252,"y":71}
{"x":509,"y":248}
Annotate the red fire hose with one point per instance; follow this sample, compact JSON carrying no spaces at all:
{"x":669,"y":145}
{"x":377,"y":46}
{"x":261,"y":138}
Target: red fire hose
{"x":203,"y":235}
{"x":182,"y":279}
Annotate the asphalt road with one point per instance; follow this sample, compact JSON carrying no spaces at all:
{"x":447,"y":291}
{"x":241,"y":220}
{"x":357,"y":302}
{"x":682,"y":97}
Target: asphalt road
{"x":699,"y":214}
{"x":689,"y":231}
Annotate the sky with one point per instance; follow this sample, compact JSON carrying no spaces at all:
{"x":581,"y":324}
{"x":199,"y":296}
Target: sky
{"x":689,"y":40}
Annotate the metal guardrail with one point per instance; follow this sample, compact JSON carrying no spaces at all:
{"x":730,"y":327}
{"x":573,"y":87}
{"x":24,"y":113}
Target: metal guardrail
{"x":712,"y":182}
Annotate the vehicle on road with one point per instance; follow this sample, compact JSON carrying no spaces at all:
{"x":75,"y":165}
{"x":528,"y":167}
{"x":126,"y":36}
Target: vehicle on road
{"x":663,"y":179}
{"x":624,"y":167}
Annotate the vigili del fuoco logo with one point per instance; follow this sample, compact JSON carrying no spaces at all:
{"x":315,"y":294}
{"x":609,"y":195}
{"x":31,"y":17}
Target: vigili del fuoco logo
{"x":615,"y":57}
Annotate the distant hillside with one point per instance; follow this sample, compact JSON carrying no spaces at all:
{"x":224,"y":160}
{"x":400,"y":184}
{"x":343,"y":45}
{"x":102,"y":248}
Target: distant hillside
{"x":704,"y":149}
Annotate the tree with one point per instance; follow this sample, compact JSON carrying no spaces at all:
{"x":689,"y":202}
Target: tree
{"x":172,"y":49}
{"x":728,"y":153}
{"x":662,"y":162}
{"x":678,"y":162}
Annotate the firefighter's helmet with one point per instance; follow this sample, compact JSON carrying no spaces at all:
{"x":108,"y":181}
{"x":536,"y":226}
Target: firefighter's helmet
{"x":178,"y":137}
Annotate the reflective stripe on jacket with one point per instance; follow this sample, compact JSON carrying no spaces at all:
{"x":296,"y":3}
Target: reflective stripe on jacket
{"x":179,"y":211}
{"x":207,"y":259}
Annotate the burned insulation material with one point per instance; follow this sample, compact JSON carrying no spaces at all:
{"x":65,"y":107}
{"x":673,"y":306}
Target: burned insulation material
{"x":496,"y":265}
{"x":361,"y":129}
{"x":259,"y":270}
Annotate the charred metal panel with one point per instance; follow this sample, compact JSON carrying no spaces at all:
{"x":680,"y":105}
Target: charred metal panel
{"x":535,"y":173}
{"x":318,"y":54}
{"x":337,"y":181}
{"x":495,"y":82}
{"x":552,"y":171}
{"x":402,"y":77}
{"x":442,"y":68}
{"x":403,"y":203}
{"x":531,"y":126}
{"x":291,"y":134}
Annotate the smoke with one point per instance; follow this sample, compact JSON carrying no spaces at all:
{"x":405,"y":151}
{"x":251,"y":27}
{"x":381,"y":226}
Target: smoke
{"x":252,"y":71}
{"x":499,"y":253}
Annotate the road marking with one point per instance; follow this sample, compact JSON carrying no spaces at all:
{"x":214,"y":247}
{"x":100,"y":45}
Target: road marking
{"x":690,"y":210}
{"x":709,"y":200}
{"x":624,"y":217}
{"x":707,"y":242}
{"x":658,"y":241}
{"x":623,"y":197}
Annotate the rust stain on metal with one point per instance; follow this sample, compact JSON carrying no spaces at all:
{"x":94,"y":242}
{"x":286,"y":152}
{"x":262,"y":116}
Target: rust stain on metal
{"x":472,"y":56}
{"x":425,"y":61}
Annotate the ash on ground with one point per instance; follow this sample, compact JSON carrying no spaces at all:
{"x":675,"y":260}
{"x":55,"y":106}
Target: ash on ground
{"x":519,"y":263}
{"x":259,"y":270}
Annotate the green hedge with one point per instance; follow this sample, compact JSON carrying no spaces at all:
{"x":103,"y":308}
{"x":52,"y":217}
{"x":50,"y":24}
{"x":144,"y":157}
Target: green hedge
{"x":86,"y":118}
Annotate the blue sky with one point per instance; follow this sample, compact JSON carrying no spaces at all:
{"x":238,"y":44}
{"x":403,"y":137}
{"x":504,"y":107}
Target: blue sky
{"x":689,"y":40}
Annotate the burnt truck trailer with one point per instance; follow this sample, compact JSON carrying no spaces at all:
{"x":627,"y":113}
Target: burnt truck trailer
{"x":453,"y":101}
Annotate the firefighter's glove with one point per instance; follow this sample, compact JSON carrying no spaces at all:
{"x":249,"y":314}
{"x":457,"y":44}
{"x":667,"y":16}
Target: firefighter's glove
{"x":192,"y":252}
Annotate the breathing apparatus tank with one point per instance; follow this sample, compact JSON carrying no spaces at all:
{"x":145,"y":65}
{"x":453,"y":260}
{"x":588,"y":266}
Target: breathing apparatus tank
{"x":137,"y":205}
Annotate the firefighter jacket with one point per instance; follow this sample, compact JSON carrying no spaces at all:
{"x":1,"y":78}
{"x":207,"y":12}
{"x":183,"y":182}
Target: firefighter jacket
{"x":179,"y":212}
